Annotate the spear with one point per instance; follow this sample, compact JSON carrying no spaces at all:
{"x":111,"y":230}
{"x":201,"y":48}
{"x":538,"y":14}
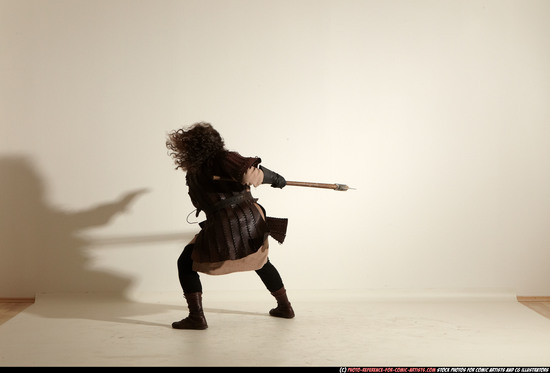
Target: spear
{"x":339,"y":187}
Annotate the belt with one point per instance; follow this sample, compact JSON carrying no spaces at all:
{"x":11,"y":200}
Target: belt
{"x":231,"y":201}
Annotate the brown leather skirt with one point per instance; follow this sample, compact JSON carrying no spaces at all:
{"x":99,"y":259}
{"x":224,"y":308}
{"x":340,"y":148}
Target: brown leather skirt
{"x":251,"y":262}
{"x":208,"y":248}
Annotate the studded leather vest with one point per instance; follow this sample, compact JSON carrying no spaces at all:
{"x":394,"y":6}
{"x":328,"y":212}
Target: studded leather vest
{"x":234,"y":227}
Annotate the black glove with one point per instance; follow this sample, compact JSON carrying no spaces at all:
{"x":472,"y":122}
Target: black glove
{"x":273,"y":178}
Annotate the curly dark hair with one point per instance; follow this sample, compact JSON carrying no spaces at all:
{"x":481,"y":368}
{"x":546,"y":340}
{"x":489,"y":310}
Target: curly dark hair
{"x":192,"y":147}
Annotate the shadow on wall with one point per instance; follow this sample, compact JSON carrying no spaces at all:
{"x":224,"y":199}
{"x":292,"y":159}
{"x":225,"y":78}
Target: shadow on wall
{"x":40,"y":249}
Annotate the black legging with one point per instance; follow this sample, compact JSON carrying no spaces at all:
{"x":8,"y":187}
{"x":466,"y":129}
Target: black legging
{"x":191,"y":283}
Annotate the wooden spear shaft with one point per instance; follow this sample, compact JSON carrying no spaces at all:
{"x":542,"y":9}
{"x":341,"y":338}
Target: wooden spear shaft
{"x":339,"y":187}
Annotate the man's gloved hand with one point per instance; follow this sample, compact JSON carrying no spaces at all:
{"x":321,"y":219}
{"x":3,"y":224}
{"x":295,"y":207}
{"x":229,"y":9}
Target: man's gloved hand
{"x":273,"y":178}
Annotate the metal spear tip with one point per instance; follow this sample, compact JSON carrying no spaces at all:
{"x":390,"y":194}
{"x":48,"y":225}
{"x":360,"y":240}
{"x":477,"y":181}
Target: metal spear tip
{"x":342,"y":187}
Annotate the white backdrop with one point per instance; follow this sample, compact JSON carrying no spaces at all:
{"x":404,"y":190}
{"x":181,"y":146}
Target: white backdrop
{"x":436,"y":111}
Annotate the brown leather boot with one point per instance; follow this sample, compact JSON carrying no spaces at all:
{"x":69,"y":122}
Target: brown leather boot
{"x":196,"y":319}
{"x":284,"y":309}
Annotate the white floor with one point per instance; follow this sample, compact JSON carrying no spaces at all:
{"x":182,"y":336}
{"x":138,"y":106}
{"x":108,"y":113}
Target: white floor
{"x":330,"y":329}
